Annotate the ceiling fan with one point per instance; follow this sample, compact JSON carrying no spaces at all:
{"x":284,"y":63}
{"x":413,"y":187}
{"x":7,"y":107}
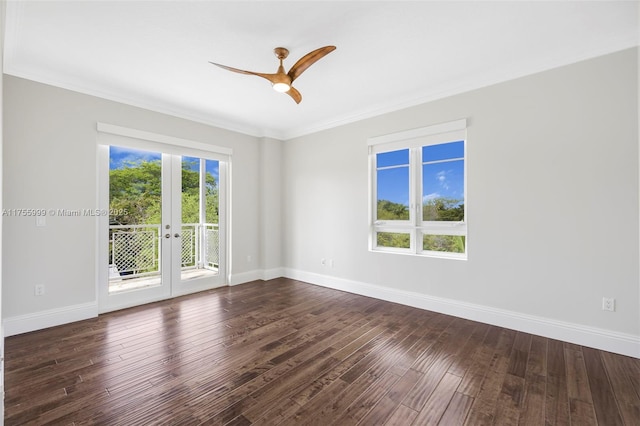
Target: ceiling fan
{"x":281,"y":81}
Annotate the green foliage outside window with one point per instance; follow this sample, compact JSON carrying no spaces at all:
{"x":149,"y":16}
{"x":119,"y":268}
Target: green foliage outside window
{"x":393,"y":239}
{"x":445,"y":243}
{"x":437,"y":209}
{"x":135,"y":189}
{"x":443,"y":209}
{"x":388,"y":210}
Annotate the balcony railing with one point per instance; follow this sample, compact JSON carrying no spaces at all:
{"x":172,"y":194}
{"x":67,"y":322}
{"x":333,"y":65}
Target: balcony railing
{"x":134,"y":250}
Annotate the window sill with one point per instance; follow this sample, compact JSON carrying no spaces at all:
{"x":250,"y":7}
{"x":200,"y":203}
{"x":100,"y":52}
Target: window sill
{"x":428,"y":254}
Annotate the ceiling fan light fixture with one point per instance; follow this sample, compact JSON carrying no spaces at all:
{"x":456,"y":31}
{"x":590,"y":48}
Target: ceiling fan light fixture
{"x":282,"y":81}
{"x":281,"y":87}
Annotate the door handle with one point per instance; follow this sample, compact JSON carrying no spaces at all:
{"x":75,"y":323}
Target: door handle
{"x":167,"y":235}
{"x":177,"y":235}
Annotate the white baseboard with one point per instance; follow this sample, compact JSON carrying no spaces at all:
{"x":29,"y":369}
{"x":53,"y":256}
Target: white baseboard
{"x":258,"y":274}
{"x":271,"y":274}
{"x":621,"y":343}
{"x":625,"y":344}
{"x":53,"y":317}
{"x":45,"y":319}
{"x":245,"y":277}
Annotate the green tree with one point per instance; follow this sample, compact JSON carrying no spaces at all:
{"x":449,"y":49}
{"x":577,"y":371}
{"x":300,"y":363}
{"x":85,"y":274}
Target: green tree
{"x":446,"y":243}
{"x":437,"y":209}
{"x":393,"y":239}
{"x":443,"y":209}
{"x":135,"y":193}
{"x":388,"y":210}
{"x":191,"y":195}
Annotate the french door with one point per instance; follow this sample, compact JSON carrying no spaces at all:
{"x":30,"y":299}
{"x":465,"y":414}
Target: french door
{"x":165,"y":233}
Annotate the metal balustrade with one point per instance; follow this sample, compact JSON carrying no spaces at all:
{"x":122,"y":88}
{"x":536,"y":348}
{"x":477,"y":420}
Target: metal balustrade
{"x":189,"y":246}
{"x":134,"y":250}
{"x":212,"y":252}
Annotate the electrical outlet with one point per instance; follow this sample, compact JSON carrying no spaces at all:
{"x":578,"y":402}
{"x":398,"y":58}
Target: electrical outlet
{"x":608,"y":304}
{"x":330,"y":263}
{"x":38,"y":290}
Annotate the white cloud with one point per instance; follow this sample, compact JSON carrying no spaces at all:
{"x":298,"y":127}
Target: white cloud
{"x":442,"y":178}
{"x":430,"y":197}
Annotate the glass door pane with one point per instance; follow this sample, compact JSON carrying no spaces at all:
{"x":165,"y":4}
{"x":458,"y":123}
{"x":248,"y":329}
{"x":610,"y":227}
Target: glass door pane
{"x":136,"y":239}
{"x":200,"y":245}
{"x":162,"y":237}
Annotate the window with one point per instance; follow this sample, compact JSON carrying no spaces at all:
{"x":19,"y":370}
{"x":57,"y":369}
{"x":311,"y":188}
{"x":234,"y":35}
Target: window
{"x":418,"y":191}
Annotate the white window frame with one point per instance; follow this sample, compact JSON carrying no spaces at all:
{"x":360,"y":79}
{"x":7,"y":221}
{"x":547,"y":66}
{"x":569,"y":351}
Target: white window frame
{"x":414,"y":140}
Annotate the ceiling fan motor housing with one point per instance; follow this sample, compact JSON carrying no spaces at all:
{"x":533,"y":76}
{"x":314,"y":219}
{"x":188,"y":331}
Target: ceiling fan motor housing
{"x":281,"y":52}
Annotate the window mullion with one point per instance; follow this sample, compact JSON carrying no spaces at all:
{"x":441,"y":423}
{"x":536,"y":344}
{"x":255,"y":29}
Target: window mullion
{"x":415,"y":188}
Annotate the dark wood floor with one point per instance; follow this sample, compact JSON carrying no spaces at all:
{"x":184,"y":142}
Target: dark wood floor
{"x":286,"y":352}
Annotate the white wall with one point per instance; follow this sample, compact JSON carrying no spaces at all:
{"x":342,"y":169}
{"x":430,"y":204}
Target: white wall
{"x":552,"y":207}
{"x":270,"y":262}
{"x":552,"y":203}
{"x":50,"y":162}
{"x":3,"y":5}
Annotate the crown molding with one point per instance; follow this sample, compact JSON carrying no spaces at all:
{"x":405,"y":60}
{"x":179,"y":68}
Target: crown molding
{"x":452,"y":90}
{"x":15,"y":9}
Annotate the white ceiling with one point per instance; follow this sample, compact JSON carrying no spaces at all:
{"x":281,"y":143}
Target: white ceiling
{"x":390,"y":55}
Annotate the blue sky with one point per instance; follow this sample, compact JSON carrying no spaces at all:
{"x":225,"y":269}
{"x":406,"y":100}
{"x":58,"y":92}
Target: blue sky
{"x":440,"y":179}
{"x":211,"y":166}
{"x":119,"y":156}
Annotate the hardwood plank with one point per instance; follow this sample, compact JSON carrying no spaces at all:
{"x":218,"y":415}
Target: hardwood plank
{"x":361,"y":406}
{"x":519,"y":355}
{"x":436,"y":361}
{"x":604,"y":401}
{"x":485,"y":403}
{"x":509,"y":403}
{"x":342,"y":363}
{"x":402,"y":387}
{"x":380,"y":413}
{"x":289,"y":386}
{"x":247,"y":398}
{"x":387,"y":405}
{"x":440,"y":398}
{"x":383,"y":408}
{"x":457,"y":411}
{"x":557,"y":394}
{"x":358,"y":380}
{"x":264,"y":412}
{"x":582,"y":413}
{"x":621,"y":372}
{"x":467,"y":354}
{"x":286,"y":352}
{"x":474,"y":376}
{"x":581,"y":407}
{"x":274,"y":382}
{"x":448,"y":343}
{"x":537,"y":361}
{"x":402,"y":416}
{"x":533,"y":407}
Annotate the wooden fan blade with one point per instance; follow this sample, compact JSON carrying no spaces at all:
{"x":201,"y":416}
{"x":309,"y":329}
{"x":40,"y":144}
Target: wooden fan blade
{"x":271,"y":77}
{"x":307,"y":60}
{"x":294,"y":94}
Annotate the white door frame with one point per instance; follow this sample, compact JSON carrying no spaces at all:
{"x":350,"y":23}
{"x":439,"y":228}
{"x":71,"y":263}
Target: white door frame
{"x":115,"y":135}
